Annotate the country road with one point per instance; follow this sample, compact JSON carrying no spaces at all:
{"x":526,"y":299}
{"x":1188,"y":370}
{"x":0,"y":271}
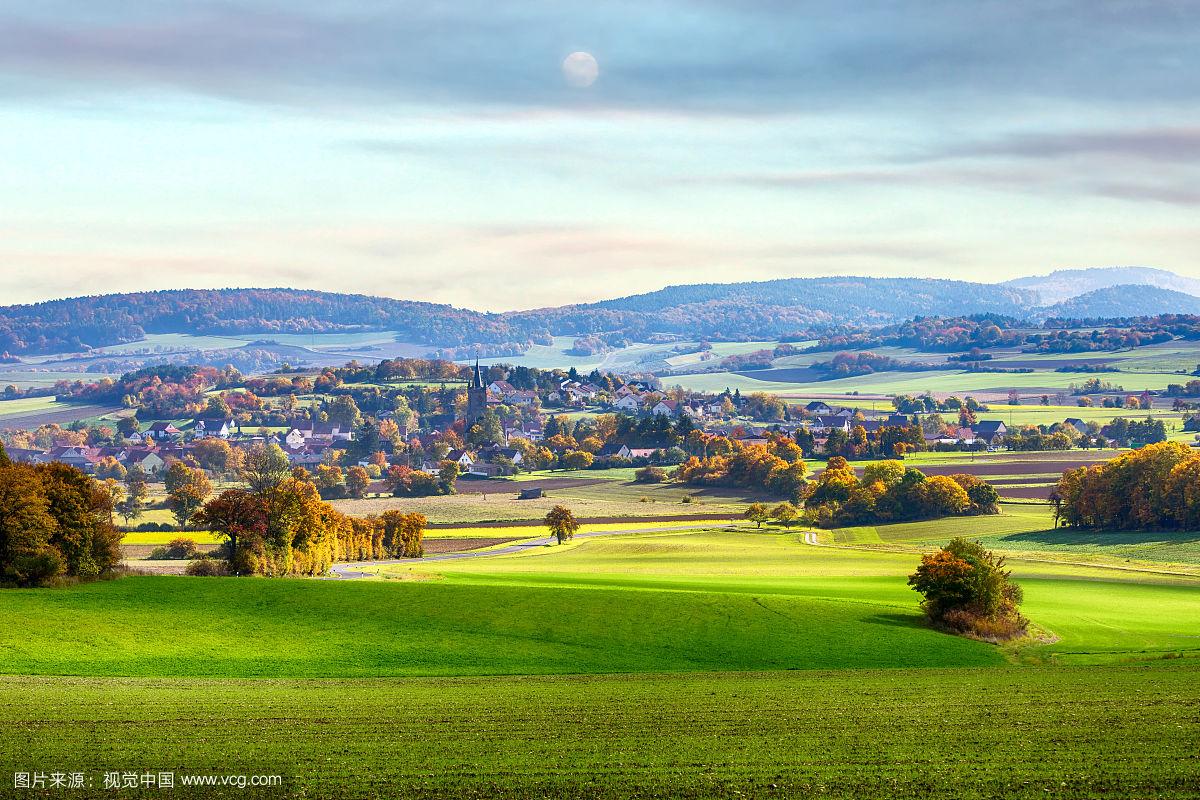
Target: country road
{"x":350,"y":570}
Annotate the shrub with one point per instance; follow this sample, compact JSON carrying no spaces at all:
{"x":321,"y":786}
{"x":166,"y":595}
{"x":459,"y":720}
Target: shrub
{"x":181,"y":547}
{"x":967,"y":590}
{"x":207,"y":568}
{"x":37,"y":569}
{"x":650,"y":475}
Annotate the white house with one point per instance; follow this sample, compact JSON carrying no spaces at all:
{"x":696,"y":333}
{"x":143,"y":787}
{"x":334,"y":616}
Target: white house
{"x":629,"y":404}
{"x":665,"y":408}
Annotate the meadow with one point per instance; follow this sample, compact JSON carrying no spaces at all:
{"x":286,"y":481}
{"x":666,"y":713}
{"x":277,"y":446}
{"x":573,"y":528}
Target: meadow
{"x":671,"y":663}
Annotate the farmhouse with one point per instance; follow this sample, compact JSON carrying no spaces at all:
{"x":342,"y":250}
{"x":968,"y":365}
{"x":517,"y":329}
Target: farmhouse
{"x":991,"y":432}
{"x":818,"y":407}
{"x":162,"y":431}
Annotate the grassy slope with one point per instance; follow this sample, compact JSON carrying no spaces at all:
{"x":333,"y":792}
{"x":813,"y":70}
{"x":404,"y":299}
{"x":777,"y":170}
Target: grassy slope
{"x":177,"y":626}
{"x":678,"y":604}
{"x":672,"y":601}
{"x":1095,"y":732}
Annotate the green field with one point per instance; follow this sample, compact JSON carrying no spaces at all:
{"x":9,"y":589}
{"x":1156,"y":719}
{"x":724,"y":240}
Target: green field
{"x":607,"y":498}
{"x":965,"y":733}
{"x":676,"y":663}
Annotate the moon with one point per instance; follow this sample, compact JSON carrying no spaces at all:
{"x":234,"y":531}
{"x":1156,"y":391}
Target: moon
{"x":580,"y":69}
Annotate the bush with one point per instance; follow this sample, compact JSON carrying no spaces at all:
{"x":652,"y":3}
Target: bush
{"x":181,"y":547}
{"x":967,"y":590}
{"x":207,"y":568}
{"x":37,"y":569}
{"x":650,"y":475}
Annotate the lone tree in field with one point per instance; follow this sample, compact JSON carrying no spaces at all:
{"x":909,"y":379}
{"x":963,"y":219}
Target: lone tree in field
{"x":757,"y":513}
{"x":967,"y":590}
{"x":562,"y":523}
{"x":785,"y":514}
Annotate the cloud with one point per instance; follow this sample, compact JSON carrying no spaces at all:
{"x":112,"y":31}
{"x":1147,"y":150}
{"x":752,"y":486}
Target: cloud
{"x":700,"y":57}
{"x":1165,"y":144}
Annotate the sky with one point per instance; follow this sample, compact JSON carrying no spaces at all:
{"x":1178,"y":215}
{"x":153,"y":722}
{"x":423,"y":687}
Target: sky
{"x":439,"y":151}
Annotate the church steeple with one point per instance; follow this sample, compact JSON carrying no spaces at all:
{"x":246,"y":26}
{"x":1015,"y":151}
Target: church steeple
{"x":476,"y":396}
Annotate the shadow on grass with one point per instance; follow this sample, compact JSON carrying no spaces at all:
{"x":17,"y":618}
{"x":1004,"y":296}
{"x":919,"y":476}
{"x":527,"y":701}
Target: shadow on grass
{"x":897,"y":620}
{"x":1066,"y":537}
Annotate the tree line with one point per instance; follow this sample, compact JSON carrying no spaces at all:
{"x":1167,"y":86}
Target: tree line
{"x":1155,"y":487}
{"x":55,"y":524}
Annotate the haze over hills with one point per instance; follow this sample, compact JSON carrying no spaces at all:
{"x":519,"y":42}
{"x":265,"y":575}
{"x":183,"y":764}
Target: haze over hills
{"x":793,"y":307}
{"x":1125,"y":300}
{"x":1064,"y":284}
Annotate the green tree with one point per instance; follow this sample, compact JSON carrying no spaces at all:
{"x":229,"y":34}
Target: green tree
{"x":562,"y":523}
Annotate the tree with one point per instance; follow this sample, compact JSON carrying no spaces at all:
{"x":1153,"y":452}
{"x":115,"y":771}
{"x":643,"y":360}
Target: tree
{"x":486,"y":429}
{"x":357,"y":481}
{"x":576,"y":459}
{"x":266,"y":466}
{"x":757,"y":513}
{"x":562,"y":523}
{"x":344,"y":410}
{"x":191,"y":488}
{"x":785,"y":514}
{"x":54,"y":521}
{"x":402,"y":534}
{"x":134,"y":502}
{"x":213,"y":454}
{"x":967,"y":589}
{"x":236,"y":515}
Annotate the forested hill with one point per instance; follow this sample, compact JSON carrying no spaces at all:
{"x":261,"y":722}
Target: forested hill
{"x":1064,"y":284}
{"x":882,"y":299}
{"x":1124,"y":301}
{"x":789,"y":308}
{"x":84,"y":322}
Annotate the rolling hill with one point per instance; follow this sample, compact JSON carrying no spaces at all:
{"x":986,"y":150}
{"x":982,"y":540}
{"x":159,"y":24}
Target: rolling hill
{"x":1124,"y":301}
{"x":748,"y":311}
{"x":1064,"y":284}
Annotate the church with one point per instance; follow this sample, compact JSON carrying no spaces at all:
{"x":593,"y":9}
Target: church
{"x":476,"y":397}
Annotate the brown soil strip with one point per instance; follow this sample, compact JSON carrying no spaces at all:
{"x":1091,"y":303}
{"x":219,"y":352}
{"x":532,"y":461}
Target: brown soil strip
{"x":512,"y":487}
{"x":436,"y":546}
{"x":537,"y":523}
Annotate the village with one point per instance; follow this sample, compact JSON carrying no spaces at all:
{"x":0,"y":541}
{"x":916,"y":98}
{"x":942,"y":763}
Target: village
{"x":490,"y":428}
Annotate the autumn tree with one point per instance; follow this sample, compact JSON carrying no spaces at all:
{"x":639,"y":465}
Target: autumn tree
{"x":562,"y":523}
{"x":785,"y":514}
{"x":357,"y":481}
{"x":757,"y":513}
{"x":54,"y":521}
{"x":187,"y":490}
{"x":967,"y":590}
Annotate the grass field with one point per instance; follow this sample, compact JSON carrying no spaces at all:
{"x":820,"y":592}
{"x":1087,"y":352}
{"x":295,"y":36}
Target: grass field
{"x":680,"y":663}
{"x":965,"y":733}
{"x":607,"y":498}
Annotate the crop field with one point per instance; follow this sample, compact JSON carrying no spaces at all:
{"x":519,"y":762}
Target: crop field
{"x":31,"y":413}
{"x":966,"y":733}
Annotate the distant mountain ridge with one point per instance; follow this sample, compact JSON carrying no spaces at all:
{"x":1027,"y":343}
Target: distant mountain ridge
{"x":1124,"y":301}
{"x":784,"y":308}
{"x":1064,"y":284}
